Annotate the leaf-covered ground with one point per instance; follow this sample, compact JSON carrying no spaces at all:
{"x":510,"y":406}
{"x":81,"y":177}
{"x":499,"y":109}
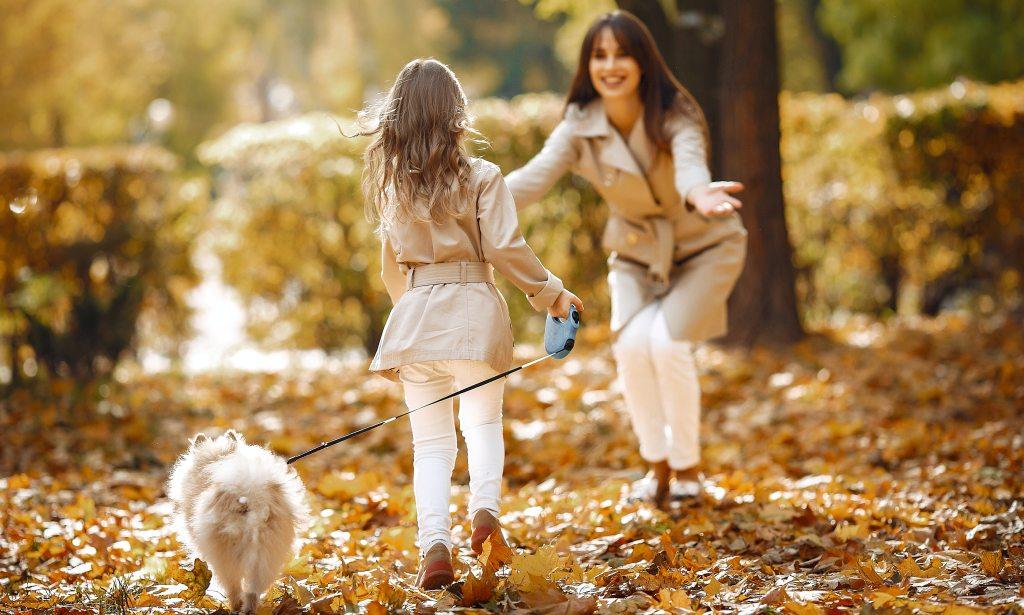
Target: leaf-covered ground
{"x":873,"y":468}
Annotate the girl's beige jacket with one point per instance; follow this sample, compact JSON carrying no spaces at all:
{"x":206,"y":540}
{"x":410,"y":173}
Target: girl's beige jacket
{"x":646,"y":193}
{"x":457,"y":320}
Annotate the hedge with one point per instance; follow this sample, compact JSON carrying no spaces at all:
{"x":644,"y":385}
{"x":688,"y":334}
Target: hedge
{"x":907,"y":204}
{"x":90,"y":241}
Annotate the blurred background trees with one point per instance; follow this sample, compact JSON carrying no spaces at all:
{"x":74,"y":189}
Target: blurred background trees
{"x":87,"y":72}
{"x":902,"y":190}
{"x":83,"y":73}
{"x":912,"y":44}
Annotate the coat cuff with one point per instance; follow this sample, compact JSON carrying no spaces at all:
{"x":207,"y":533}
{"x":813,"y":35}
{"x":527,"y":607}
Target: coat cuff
{"x":690,"y":180}
{"x":545,"y":298}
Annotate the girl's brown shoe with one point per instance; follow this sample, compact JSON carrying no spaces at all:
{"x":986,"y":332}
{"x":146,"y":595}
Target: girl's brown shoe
{"x":436,"y":568}
{"x":484,"y":524}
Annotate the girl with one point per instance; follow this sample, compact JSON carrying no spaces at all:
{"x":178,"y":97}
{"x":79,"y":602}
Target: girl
{"x":677,"y":245}
{"x":446,"y":221}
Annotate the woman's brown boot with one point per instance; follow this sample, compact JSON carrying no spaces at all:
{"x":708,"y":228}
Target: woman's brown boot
{"x":662,"y":482}
{"x":484,"y":524}
{"x":436,"y":568}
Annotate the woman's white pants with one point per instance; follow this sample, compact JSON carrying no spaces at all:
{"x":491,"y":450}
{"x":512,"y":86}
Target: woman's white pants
{"x":660,"y":387}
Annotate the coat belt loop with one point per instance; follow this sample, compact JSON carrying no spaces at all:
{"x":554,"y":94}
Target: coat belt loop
{"x":408,"y":278}
{"x":463,"y":272}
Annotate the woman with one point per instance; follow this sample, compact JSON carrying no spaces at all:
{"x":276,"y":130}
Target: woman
{"x":676,"y":243}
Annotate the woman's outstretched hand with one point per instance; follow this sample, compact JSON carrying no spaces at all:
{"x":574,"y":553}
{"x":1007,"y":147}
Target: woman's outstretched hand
{"x":560,"y":308}
{"x":713,"y":199}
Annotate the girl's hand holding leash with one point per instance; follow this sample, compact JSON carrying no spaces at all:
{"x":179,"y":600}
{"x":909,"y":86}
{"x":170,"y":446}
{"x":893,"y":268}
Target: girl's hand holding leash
{"x":560,"y":308}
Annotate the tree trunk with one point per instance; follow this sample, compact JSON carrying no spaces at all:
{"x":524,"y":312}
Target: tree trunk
{"x":725,"y":53}
{"x":689,"y":48}
{"x":828,"y":48}
{"x":764,"y":304}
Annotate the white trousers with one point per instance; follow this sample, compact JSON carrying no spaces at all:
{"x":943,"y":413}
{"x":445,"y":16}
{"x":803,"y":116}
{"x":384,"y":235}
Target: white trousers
{"x":434,"y":441}
{"x":661,"y":390}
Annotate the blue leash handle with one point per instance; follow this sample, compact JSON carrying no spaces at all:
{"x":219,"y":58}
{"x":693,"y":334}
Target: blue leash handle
{"x":560,"y":333}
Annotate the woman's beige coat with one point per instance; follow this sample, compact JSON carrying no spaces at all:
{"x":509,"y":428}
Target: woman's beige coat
{"x":707,"y":253}
{"x":459,"y":320}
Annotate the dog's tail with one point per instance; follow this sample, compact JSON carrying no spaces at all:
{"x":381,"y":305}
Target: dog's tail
{"x":257,"y":485}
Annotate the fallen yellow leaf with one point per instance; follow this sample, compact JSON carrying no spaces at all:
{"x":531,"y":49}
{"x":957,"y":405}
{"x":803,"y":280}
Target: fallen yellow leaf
{"x":477,"y":591}
{"x":803,"y":609}
{"x":673,"y":599}
{"x":534,"y":572}
{"x":992,"y":563}
{"x":713,"y":588}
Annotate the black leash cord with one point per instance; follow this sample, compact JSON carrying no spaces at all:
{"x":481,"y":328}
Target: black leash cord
{"x":357,"y":432}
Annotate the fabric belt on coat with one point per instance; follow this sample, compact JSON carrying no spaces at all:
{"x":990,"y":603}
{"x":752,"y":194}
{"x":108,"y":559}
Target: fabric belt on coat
{"x":462,"y":272}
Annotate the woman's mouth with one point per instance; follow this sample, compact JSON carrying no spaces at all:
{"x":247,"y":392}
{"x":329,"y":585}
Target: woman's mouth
{"x":613,"y":82}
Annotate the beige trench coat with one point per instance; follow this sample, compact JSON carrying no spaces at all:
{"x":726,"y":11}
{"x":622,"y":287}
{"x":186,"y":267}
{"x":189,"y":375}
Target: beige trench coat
{"x":459,"y":320}
{"x":707,"y":253}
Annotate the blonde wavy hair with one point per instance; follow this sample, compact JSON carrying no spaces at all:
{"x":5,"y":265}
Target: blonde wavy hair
{"x":417,"y":168}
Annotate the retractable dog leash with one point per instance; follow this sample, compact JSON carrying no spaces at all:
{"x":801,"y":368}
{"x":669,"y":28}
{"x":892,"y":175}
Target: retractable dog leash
{"x":559,"y":340}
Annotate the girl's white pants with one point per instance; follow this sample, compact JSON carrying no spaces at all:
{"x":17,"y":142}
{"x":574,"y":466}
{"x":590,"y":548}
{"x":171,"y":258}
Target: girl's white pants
{"x":434,"y":441}
{"x":661,"y":390}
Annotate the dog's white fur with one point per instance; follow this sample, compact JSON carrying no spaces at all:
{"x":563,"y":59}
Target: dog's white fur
{"x":239,"y":508}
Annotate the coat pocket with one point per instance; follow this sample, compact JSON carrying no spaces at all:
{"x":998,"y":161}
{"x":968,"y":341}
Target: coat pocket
{"x":635,"y":241}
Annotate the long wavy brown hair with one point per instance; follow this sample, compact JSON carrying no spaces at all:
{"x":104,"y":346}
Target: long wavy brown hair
{"x":417,"y":168}
{"x":660,"y":91}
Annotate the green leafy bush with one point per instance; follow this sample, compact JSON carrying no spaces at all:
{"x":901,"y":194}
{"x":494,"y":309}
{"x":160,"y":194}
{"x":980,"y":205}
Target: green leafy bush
{"x":293,"y":239}
{"x":90,"y":240}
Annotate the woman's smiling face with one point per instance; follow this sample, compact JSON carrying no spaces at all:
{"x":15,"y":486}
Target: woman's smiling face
{"x":613,"y":71}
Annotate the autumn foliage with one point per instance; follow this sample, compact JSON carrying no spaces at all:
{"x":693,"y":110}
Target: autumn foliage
{"x":871,"y":467}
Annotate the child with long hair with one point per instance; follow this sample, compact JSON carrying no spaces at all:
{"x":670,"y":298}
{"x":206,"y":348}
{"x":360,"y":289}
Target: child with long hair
{"x":446,"y":221}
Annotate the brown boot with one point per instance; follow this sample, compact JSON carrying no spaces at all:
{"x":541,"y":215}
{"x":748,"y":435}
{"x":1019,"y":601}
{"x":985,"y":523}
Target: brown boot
{"x":436,"y":568}
{"x":663,"y":480}
{"x":484,"y":524}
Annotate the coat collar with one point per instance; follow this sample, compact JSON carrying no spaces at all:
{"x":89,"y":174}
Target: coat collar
{"x":613,"y":151}
{"x":591,"y":120}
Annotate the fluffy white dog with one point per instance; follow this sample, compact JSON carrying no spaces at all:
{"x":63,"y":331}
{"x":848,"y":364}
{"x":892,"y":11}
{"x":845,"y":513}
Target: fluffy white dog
{"x":239,"y":508}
